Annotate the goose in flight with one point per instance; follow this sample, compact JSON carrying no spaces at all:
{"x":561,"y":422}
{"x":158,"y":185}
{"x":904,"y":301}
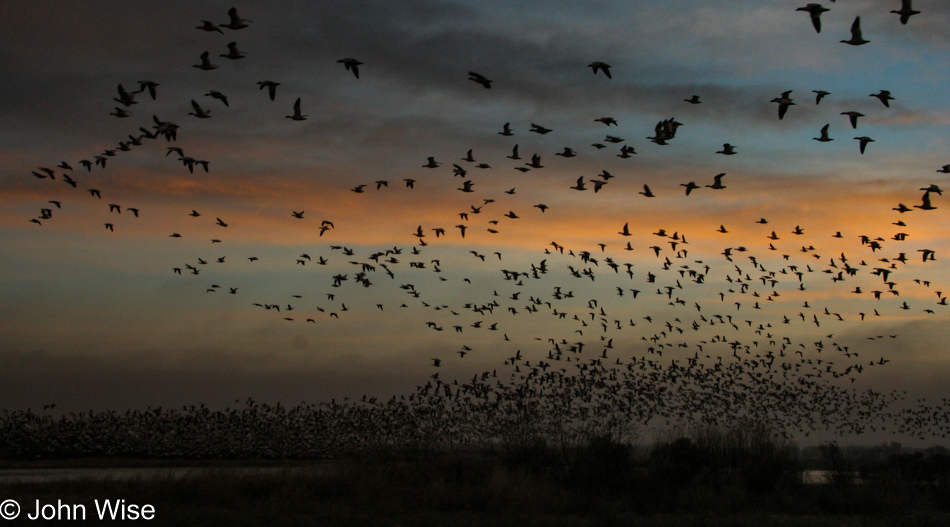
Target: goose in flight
{"x":580,"y":184}
{"x":856,"y":38}
{"x":207,"y":25}
{"x":199,"y":112}
{"x":689,"y":186}
{"x":944,"y":169}
{"x":567,"y":153}
{"x":884,"y":96}
{"x":626,"y":230}
{"x":647,"y":192}
{"x":606,"y":120}
{"x":219,"y":96}
{"x":693,"y":100}
{"x":220,"y":222}
{"x":906,"y":11}
{"x":506,"y":130}
{"x":783,"y":103}
{"x":298,"y":215}
{"x":271,"y":87}
{"x":480,"y":79}
{"x":514,"y":153}
{"x":233,"y":52}
{"x":864,"y":140}
{"x":352,"y":65}
{"x":148,"y":86}
{"x":626,"y":151}
{"x":824,"y":135}
{"x":297,"y":116}
{"x":432,"y":163}
{"x":235,"y":22}
{"x":205,"y":63}
{"x":125,"y":98}
{"x":727,"y":149}
{"x":925,"y":202}
{"x":814,"y":11}
{"x":538,"y":129}
{"x":853,"y":116}
{"x":819,"y":95}
{"x":602,"y":66}
{"x":717,"y":182}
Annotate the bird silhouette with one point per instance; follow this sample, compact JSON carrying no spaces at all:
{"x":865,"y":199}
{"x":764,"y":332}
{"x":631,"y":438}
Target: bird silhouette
{"x":297,"y":116}
{"x":352,"y":64}
{"x":600,"y":66}
{"x":856,"y":38}
{"x":814,"y":11}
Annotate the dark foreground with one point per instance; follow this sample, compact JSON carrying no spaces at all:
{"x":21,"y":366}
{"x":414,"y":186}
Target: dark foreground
{"x":674,"y":483}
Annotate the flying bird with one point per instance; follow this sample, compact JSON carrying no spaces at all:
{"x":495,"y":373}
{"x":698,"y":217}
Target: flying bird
{"x":824,"y":135}
{"x":297,"y":116}
{"x":233,"y":52}
{"x":856,"y":38}
{"x":271,"y":87}
{"x":352,"y":65}
{"x":235,"y":22}
{"x":906,"y":11}
{"x":209,"y":26}
{"x":864,"y":140}
{"x":601,"y":66}
{"x":853,"y":116}
{"x":884,"y":96}
{"x":783,"y":103}
{"x":814,"y":11}
{"x":219,"y":96}
{"x":480,"y":79}
{"x":538,"y":129}
{"x":727,"y":149}
{"x":199,"y":112}
{"x":205,"y":63}
{"x":717,"y":182}
{"x":689,"y":186}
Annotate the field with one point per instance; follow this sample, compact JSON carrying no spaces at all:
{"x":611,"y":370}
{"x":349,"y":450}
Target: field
{"x":710,"y":478}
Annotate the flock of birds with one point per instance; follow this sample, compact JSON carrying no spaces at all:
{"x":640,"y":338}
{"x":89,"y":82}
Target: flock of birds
{"x":728,"y":343}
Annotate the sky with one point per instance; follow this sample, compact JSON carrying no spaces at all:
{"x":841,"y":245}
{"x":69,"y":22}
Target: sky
{"x":94,"y":318}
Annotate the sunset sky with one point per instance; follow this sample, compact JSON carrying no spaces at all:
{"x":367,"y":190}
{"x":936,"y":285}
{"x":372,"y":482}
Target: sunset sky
{"x":93,"y":318}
